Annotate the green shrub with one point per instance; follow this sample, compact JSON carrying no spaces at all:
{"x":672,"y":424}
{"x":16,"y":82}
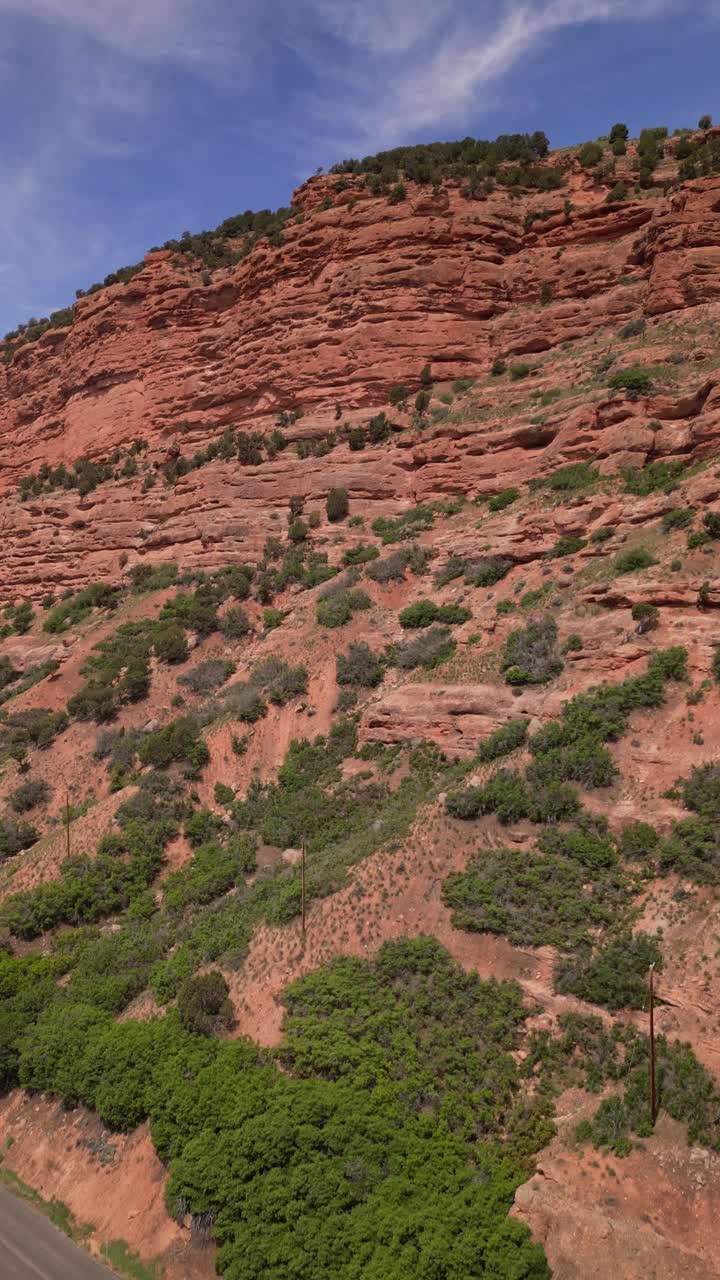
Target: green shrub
{"x":76,"y":608}
{"x":15,"y":836}
{"x":573,"y":478}
{"x":201,"y":827}
{"x":585,"y":761}
{"x":272,"y":618}
{"x":392,"y":568}
{"x":638,"y":841}
{"x":466,"y":804}
{"x":359,"y":666}
{"x":635,"y":380}
{"x":117,"y":747}
{"x":588,"y":844}
{"x":648,"y":615}
{"x":711,"y":524}
{"x":430,"y":649}
{"x":231,"y":582}
{"x":616,"y":975}
{"x":603,"y":534}
{"x":111,"y":970}
{"x":152,"y":577}
{"x":497,"y":368}
{"x":692,"y":850}
{"x":224,"y":795}
{"x":8,"y":673}
{"x":590,"y":154}
{"x":573,"y":644}
{"x":245,"y":702}
{"x":29,"y":795}
{"x":504,"y":499}
{"x":656,"y":477}
{"x":452,"y":615}
{"x":176,"y":742}
{"x":170,"y":644}
{"x":88,"y":889}
{"x":507,"y":738}
{"x":159,"y":798}
{"x":196,"y":611}
{"x":410,"y":1183}
{"x":408,"y":525}
{"x":568,"y":545}
{"x":530,"y":654}
{"x":363,"y":553}
{"x":280,"y":681}
{"x":701,"y":790}
{"x":379,"y":428}
{"x":677,"y":518}
{"x":337,"y":609}
{"x":297,"y":531}
{"x":208,"y":675}
{"x":532,"y":901}
{"x":571,"y":750}
{"x":35,"y":727}
{"x":234,"y":624}
{"x":454,"y":568}
{"x":422,"y":613}
{"x":633,"y":561}
{"x":632,"y":329}
{"x":519,"y":370}
{"x":487,"y":570}
{"x":117,"y":671}
{"x":20,"y":617}
{"x":204,"y":1005}
{"x":398,"y":394}
{"x":507,"y":795}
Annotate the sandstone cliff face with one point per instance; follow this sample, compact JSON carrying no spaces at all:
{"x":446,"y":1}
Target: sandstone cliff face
{"x":358,"y":298}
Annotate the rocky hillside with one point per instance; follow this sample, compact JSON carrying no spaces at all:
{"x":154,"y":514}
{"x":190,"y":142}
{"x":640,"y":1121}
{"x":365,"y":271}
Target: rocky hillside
{"x":387,"y":530}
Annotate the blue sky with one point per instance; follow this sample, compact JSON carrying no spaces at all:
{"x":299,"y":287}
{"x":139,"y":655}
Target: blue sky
{"x":127,"y":121}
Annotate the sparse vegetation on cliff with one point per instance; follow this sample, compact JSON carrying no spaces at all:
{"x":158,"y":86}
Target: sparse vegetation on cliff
{"x":189,"y":809}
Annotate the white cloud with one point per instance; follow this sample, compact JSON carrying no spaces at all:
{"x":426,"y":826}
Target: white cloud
{"x":442,"y":79}
{"x":334,"y":77}
{"x":380,"y":26}
{"x":92,"y":97}
{"x":199,"y":32}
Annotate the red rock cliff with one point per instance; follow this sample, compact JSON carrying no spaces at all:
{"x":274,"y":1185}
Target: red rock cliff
{"x":358,"y":298}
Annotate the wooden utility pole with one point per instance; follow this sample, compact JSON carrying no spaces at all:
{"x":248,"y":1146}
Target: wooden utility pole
{"x":67,"y":822}
{"x":302,"y":889}
{"x":653,"y":1104}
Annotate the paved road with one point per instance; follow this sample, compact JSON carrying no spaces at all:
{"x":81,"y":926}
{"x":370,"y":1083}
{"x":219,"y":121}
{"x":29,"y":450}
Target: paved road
{"x":31,"y":1248}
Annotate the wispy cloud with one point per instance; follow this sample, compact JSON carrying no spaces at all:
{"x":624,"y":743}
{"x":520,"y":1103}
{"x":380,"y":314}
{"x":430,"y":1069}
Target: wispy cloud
{"x":201,"y":33}
{"x":91,"y":71}
{"x":376,"y":26}
{"x":90,"y":82}
{"x":427,"y":82}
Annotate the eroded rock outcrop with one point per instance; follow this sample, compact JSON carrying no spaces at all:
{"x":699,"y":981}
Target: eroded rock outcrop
{"x":356,"y":300}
